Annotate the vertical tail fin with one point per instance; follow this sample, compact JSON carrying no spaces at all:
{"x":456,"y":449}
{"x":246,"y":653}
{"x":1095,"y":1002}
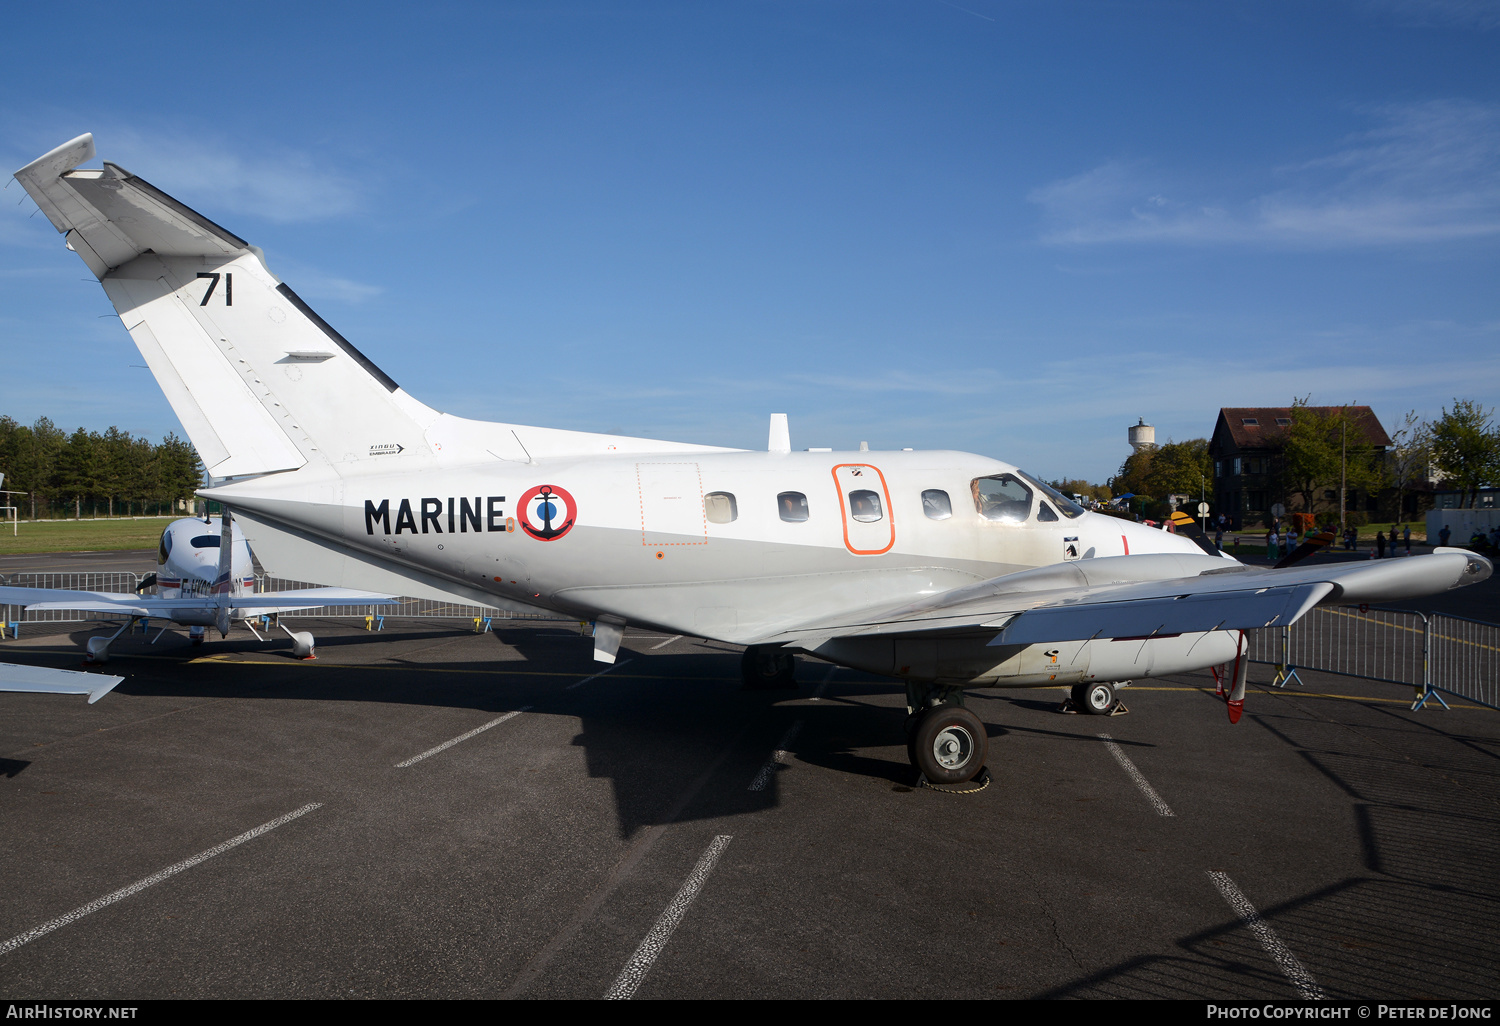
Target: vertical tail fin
{"x":260,"y":382}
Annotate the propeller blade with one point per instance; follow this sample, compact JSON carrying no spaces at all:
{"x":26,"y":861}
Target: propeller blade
{"x":1312,"y":543}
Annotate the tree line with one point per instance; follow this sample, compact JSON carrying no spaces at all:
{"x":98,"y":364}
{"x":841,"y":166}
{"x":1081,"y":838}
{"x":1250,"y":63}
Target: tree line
{"x":1324,"y":451}
{"x":91,"y":473}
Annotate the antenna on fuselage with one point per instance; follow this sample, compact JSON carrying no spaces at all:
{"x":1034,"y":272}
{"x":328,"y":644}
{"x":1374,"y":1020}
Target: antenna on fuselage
{"x":781,"y":434}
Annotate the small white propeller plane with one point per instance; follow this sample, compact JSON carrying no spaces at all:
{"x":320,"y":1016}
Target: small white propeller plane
{"x":945,"y":569}
{"x":207,"y":579}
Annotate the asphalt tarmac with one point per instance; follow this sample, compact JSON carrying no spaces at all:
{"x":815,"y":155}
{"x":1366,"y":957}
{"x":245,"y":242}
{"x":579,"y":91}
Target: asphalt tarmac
{"x":599,"y":833}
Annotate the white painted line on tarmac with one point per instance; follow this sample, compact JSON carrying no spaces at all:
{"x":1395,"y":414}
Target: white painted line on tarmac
{"x":1135,"y":774}
{"x":777,"y":758}
{"x":664,"y":644}
{"x":645,"y":956}
{"x":463,"y":737}
{"x":581,"y":683}
{"x":1279,"y":952}
{"x":155,"y":878}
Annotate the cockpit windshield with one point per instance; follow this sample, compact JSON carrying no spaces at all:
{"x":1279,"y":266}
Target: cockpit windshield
{"x":1065,"y":505}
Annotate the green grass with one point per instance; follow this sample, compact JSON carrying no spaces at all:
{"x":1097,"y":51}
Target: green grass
{"x":82,"y":535}
{"x":1418,"y":530}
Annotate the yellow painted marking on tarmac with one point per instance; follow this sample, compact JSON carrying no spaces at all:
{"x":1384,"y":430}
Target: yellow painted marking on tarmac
{"x":222,"y":660}
{"x":1300,"y":694}
{"x":1412,"y":630}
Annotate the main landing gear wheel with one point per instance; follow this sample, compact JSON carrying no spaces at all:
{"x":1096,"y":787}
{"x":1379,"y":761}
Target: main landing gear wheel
{"x":1097,"y":699}
{"x":768,"y":668}
{"x":948,"y":744}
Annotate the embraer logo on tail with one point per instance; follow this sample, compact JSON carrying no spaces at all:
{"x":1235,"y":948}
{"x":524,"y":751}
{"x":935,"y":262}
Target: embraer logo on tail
{"x":460,"y":516}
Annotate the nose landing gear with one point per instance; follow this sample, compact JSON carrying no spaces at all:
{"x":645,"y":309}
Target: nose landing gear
{"x":1095,"y":699}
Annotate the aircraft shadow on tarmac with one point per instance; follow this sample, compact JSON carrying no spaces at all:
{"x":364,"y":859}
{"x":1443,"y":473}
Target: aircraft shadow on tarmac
{"x":651,"y":727}
{"x":1417,"y":923}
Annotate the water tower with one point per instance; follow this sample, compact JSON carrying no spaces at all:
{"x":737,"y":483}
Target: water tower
{"x":1142,"y":436}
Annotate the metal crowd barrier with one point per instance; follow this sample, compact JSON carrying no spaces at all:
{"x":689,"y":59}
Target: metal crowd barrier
{"x":1434,"y":654}
{"x":409,"y":608}
{"x":113,"y":581}
{"x":125,"y":582}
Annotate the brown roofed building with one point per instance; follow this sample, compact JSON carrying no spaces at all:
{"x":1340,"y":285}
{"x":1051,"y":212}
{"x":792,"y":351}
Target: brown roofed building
{"x":1247,"y":447}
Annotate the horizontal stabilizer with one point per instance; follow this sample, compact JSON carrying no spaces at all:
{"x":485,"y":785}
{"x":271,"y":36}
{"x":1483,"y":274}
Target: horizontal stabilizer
{"x":170,"y":608}
{"x":47,"y":681}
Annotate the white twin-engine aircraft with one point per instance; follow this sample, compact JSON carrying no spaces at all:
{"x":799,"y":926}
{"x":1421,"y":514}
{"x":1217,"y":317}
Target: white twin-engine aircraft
{"x":207,"y":579}
{"x":945,"y":569}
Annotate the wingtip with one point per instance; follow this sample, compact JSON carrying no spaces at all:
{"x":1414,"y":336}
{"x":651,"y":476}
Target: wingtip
{"x":103,"y":690}
{"x":62,"y":158}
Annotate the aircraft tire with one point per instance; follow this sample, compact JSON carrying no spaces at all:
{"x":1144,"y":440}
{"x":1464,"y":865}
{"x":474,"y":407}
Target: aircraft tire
{"x":1078,"y":694}
{"x":768,"y":668}
{"x":949,"y":744}
{"x":1099,"y":699}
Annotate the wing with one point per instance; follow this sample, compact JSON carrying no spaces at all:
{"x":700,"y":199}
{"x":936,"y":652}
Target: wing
{"x":168,"y":608}
{"x":308,"y":598}
{"x":1150,"y":595}
{"x":44,"y":680}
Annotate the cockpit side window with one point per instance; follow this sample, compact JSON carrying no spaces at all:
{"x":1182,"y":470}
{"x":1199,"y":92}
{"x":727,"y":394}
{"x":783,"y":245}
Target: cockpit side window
{"x":206,"y":541}
{"x":792,"y":506}
{"x":1002,"y":497}
{"x":1069,"y":508}
{"x":165,"y":548}
{"x":936,"y":505}
{"x":1044,"y":513}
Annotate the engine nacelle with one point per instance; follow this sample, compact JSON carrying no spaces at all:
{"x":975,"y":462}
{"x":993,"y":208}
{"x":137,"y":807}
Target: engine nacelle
{"x":970,"y":659}
{"x":96,"y":650}
{"x":302,"y":645}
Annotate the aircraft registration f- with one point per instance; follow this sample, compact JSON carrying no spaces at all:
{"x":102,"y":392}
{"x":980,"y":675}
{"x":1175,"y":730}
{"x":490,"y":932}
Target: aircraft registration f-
{"x":945,"y":569}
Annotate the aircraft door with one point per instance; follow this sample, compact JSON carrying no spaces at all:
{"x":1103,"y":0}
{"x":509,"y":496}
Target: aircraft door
{"x":865,"y":505}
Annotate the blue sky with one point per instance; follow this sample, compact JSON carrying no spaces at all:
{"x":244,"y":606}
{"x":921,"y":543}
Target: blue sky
{"x":1006,"y":227}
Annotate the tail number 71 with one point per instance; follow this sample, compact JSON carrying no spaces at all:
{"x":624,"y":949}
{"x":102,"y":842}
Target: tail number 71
{"x":213,"y":283}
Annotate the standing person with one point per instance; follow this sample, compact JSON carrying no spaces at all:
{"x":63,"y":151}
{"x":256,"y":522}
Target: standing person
{"x":1219,"y":537}
{"x":1273,"y":545}
{"x":1380,"y":544}
{"x":1291,"y":538}
{"x":1406,"y":537}
{"x":1444,"y":535}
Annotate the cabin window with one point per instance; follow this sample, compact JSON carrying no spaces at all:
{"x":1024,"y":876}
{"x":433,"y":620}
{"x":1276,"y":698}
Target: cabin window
{"x":1002,"y":497}
{"x":864,"y":506}
{"x":936,"y":505}
{"x":720,"y":508}
{"x":1044,"y":513}
{"x":792,"y":506}
{"x":165,"y":548}
{"x":206,"y":541}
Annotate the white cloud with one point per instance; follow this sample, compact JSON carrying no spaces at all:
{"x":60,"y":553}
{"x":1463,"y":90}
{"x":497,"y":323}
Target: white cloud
{"x":1426,"y":173}
{"x":220,"y":176}
{"x":1481,"y":14}
{"x":277,"y":184}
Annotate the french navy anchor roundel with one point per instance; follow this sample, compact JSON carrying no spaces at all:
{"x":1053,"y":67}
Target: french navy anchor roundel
{"x":547,"y":512}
